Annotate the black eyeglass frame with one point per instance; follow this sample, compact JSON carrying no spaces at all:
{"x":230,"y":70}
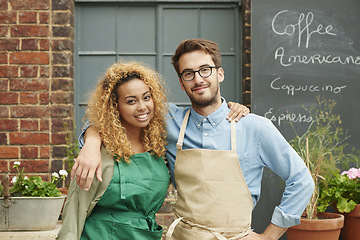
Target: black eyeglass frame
{"x":198,"y":71}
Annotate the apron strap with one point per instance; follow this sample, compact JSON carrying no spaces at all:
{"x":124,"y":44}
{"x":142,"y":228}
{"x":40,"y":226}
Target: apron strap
{"x":215,"y":232}
{"x":233,"y":136}
{"x":121,"y":178}
{"x":180,"y":141}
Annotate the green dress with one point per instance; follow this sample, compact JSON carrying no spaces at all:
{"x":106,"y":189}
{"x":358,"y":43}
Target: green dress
{"x":127,"y":208}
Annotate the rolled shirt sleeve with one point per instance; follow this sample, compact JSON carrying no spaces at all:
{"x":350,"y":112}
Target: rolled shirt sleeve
{"x":276,"y":153}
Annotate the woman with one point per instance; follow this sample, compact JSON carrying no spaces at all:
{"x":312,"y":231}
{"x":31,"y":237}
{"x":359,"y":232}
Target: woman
{"x":128,"y":107}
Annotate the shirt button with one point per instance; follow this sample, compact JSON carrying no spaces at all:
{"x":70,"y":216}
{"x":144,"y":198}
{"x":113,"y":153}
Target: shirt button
{"x":198,"y":125}
{"x":204,"y":119}
{"x":213,"y":124}
{"x":205,"y":134}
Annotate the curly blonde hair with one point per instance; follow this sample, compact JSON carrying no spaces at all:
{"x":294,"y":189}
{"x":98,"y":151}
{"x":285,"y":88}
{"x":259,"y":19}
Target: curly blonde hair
{"x":103,"y":110}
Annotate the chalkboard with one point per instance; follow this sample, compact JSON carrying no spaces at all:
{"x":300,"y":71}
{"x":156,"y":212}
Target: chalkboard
{"x":301,"y":50}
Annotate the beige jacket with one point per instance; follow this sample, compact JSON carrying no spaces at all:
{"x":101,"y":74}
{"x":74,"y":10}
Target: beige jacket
{"x":80,"y":203}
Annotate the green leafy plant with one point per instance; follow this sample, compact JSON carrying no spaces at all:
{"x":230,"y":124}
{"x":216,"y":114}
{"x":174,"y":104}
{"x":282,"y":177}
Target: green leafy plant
{"x":322,"y":147}
{"x":34,"y":186}
{"x":72,"y":148}
{"x":342,"y":190}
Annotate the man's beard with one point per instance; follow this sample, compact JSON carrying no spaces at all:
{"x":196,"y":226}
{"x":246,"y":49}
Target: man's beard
{"x":204,"y":102}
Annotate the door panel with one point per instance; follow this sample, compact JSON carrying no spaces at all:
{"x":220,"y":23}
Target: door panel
{"x":150,"y":32}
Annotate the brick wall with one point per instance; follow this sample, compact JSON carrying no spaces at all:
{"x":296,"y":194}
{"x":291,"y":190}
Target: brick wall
{"x":36,"y":83}
{"x":246,"y":57}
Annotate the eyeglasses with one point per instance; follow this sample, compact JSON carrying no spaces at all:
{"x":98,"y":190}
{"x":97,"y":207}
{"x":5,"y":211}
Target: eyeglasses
{"x":204,"y":72}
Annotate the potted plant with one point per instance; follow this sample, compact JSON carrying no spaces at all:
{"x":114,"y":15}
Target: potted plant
{"x":344,"y":191}
{"x":322,"y":147}
{"x":31,"y":203}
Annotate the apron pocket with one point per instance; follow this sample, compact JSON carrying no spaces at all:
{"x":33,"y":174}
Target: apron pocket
{"x":127,"y":232}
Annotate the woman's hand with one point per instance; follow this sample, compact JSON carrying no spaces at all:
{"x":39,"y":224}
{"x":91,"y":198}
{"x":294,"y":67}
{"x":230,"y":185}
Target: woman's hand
{"x":237,"y":111}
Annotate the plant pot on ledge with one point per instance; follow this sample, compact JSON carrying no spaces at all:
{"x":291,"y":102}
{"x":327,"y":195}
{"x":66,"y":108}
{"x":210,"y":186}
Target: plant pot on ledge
{"x":326,"y":227}
{"x":351,"y":230}
{"x":29,"y":213}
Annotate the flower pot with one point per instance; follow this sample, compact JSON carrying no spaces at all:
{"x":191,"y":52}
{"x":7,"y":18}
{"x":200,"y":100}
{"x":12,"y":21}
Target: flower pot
{"x":327,"y":227}
{"x":29,"y":213}
{"x":351,"y":225}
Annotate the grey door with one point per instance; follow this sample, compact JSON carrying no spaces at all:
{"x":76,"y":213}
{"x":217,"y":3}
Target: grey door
{"x":150,"y":32}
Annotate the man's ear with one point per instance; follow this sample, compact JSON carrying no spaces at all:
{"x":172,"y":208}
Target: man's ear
{"x":221,"y":75}
{"x":181,"y":84}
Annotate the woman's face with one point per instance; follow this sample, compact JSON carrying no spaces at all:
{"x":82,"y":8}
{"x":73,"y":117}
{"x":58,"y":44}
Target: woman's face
{"x":135,"y":103}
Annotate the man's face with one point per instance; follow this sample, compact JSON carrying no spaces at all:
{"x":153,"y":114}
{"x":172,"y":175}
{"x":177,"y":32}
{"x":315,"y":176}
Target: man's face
{"x":201,"y":91}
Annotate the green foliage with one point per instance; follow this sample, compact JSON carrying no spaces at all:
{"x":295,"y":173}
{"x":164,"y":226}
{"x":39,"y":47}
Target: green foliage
{"x":322,"y":147}
{"x":35,"y":186}
{"x":342,"y":191}
{"x":1,"y":189}
{"x":72,"y":148}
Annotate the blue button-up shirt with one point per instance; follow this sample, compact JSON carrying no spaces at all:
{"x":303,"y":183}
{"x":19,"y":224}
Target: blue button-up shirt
{"x":259,"y":145}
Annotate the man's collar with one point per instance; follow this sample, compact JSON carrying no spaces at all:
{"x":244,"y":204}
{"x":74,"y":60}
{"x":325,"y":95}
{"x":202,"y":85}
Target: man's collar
{"x":214,"y":118}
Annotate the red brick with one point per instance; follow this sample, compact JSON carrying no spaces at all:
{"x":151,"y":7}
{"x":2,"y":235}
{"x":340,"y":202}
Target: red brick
{"x":62,"y":71}
{"x":23,"y":138}
{"x":29,"y":44}
{"x":7,"y":71}
{"x":44,"y":71}
{"x":29,"y":84}
{"x":7,"y":17}
{"x":29,"y":71}
{"x":44,"y":125}
{"x":29,"y":111}
{"x":44,"y":98}
{"x":61,"y":18}
{"x":28,"y":17}
{"x":33,"y":166}
{"x":30,"y":4}
{"x":3,"y":57}
{"x":44,"y":152}
{"x":29,"y":152}
{"x":29,"y":58}
{"x":8,"y":98}
{"x":58,"y":138}
{"x":3,"y":31}
{"x":44,"y":44}
{"x":44,"y":17}
{"x":61,"y":111}
{"x":3,"y":139}
{"x":57,"y":124}
{"x":4,"y":112}
{"x":63,"y":31}
{"x":62,"y":44}
{"x":29,"y":31}
{"x":63,"y":5}
{"x":4,"y":166}
{"x":8,"y":125}
{"x":28,"y":98}
{"x":9,"y":152}
{"x":62,"y":97}
{"x":9,"y":44}
{"x":4,"y":4}
{"x":62,"y":84}
{"x":3,"y":85}
{"x":29,"y":125}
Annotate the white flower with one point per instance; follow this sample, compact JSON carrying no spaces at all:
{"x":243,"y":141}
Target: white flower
{"x":63,"y":173}
{"x":26,"y":178}
{"x":55,"y":174}
{"x":13,"y":180}
{"x":17,"y":163}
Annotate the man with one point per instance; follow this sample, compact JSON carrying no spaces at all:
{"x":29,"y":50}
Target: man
{"x":219,"y":164}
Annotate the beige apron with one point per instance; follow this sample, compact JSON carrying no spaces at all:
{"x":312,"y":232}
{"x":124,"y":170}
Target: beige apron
{"x":214,"y":201}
